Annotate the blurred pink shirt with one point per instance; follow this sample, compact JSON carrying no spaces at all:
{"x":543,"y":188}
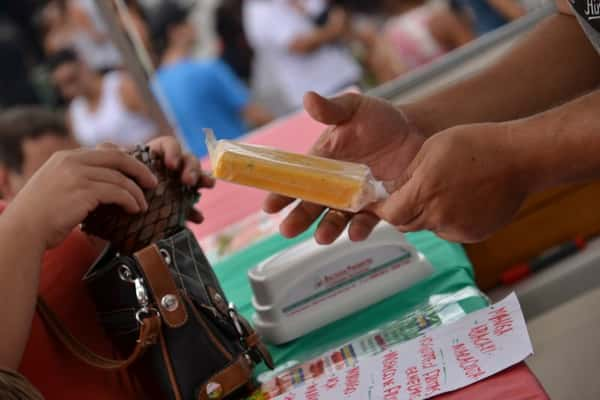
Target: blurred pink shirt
{"x":409,"y":35}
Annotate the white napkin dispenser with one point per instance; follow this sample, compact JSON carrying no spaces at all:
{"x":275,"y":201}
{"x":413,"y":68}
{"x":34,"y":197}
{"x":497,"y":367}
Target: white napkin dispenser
{"x":309,"y":285}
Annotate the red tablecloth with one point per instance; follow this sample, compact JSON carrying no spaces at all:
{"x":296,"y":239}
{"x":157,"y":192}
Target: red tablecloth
{"x":516,"y":383}
{"x":228,"y":204}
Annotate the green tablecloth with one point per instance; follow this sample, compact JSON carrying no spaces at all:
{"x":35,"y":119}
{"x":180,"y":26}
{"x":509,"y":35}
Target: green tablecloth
{"x":453,"y":272}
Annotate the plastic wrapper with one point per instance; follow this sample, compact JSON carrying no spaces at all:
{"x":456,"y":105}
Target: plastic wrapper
{"x":335,"y":184}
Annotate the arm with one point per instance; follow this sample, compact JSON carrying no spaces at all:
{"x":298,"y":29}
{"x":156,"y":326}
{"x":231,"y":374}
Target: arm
{"x":130,"y":96}
{"x":450,"y":30}
{"x":71,"y":184}
{"x":510,"y":9}
{"x":566,"y":140}
{"x":20,"y":246}
{"x":498,"y":165}
{"x":235,"y":94}
{"x":332,"y":31}
{"x":531,"y":78}
{"x":256,"y":115}
{"x":80,"y":18}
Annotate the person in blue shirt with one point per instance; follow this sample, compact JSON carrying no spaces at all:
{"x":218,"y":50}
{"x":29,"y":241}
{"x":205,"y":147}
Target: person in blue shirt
{"x":488,"y":15}
{"x":199,"y":93}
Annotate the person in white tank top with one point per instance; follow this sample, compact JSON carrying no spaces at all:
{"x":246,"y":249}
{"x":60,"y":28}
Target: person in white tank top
{"x":103,"y":108}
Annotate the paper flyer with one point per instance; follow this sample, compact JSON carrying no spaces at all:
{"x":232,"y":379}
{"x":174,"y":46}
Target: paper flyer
{"x":446,"y":358}
{"x":438,"y":310}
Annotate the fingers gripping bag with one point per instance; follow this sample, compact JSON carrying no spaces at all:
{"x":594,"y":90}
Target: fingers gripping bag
{"x":160,"y":302}
{"x":332,"y":183}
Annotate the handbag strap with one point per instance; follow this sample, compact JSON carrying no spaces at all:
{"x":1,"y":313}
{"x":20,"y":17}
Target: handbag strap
{"x":148,"y":336}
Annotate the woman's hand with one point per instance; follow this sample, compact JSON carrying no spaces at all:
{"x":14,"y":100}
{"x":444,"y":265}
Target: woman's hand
{"x":71,"y":184}
{"x":171,"y":152}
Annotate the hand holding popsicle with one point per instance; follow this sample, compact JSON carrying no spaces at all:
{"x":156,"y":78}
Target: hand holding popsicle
{"x":454,"y":183}
{"x":364,"y":130}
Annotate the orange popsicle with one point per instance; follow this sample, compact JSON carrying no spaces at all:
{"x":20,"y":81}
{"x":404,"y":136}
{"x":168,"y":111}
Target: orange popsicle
{"x":332,"y":183}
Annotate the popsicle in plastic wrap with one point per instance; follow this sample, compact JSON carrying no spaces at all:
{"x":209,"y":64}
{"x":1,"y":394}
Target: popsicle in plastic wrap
{"x":335,"y":184}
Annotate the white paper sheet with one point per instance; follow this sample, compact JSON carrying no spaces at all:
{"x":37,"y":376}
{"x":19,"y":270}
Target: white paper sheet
{"x":446,"y":358}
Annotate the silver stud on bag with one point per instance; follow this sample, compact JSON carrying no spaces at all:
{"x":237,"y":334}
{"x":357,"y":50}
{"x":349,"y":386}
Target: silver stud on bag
{"x":169,"y":302}
{"x":166,"y":256}
{"x":214,"y":390}
{"x":125,"y":273}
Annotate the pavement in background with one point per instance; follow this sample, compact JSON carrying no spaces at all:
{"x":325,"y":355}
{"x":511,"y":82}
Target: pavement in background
{"x":567,"y":348}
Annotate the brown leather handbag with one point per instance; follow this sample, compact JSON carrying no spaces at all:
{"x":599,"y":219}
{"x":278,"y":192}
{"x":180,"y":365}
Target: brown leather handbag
{"x":159,"y":300}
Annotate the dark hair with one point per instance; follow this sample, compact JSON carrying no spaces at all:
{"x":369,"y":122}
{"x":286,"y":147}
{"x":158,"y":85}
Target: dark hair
{"x":168,"y":15}
{"x":360,"y":6}
{"x":14,"y":386}
{"x":237,"y":52}
{"x":21,"y":123}
{"x":61,"y":57}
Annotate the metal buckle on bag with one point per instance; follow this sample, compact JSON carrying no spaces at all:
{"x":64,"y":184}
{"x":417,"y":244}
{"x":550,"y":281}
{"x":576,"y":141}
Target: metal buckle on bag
{"x":144,"y":302}
{"x":233,"y":314}
{"x":145,"y":310}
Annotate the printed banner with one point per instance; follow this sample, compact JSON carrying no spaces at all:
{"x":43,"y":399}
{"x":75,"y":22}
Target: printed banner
{"x":445,"y":358}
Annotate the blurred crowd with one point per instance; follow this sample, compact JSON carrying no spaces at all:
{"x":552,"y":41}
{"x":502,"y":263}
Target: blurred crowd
{"x":58,"y":55}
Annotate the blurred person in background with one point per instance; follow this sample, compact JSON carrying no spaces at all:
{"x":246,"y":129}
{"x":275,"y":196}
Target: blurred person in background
{"x":55,"y":27}
{"x":89,"y":35}
{"x":235,"y":49}
{"x":15,"y":67}
{"x":78,"y":24}
{"x":200,"y":93}
{"x":139,"y":19}
{"x":20,"y":14}
{"x":415,"y":32}
{"x":297,"y":54}
{"x":103,"y":108}
{"x":28,"y":137}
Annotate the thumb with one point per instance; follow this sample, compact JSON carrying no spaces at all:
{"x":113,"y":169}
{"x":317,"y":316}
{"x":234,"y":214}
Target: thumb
{"x":405,"y":176}
{"x":402,"y":207}
{"x":403,"y":204}
{"x":334,"y":111}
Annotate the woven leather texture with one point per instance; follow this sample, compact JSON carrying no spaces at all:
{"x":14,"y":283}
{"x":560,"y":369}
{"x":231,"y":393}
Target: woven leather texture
{"x":168,"y":207}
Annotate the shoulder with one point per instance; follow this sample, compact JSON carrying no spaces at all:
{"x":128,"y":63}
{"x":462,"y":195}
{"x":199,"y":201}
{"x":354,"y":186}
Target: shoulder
{"x":208,"y":67}
{"x":128,"y":92}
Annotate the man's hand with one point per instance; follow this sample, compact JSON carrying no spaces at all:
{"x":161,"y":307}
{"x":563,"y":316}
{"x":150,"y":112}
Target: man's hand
{"x":71,"y":184}
{"x":364,"y":130}
{"x":464,"y":184}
